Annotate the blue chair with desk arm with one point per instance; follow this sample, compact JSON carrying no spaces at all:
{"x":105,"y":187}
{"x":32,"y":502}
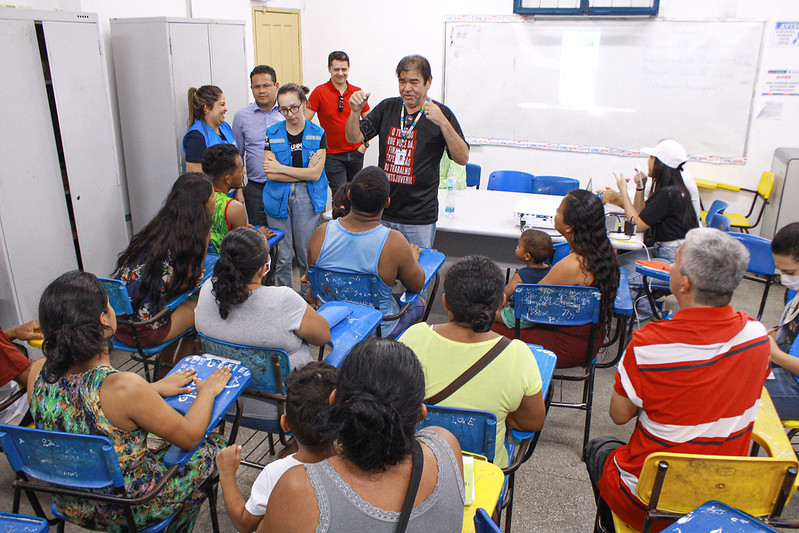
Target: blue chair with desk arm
{"x":658,"y":271}
{"x":761,"y":263}
{"x":510,"y":181}
{"x":554,"y":185}
{"x":17,"y":523}
{"x":331,"y":285}
{"x":119,"y":299}
{"x":349,"y":324}
{"x":716,"y":208}
{"x":719,"y":222}
{"x":473,"y":173}
{"x":564,"y":305}
{"x":72,"y":464}
{"x":269,"y":368}
{"x":476,"y":432}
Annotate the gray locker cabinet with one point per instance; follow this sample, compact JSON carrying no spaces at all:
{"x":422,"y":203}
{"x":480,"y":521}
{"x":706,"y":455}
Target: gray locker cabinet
{"x":36,"y":238}
{"x":156,"y":61}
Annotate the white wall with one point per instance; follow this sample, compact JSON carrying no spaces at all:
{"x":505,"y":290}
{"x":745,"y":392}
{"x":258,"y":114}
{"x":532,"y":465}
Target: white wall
{"x":377,"y":34}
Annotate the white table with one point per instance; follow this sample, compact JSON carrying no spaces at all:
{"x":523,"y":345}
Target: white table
{"x":484,"y":223}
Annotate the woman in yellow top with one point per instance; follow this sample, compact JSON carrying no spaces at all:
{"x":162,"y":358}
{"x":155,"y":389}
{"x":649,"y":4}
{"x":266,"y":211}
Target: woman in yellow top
{"x":510,"y":386}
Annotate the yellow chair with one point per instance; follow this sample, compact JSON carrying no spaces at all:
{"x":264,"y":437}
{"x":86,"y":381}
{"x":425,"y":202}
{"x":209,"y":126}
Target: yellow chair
{"x":673,"y":484}
{"x":763,"y":192}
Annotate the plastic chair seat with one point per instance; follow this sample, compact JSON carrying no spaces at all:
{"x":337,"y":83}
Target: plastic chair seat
{"x":17,"y":523}
{"x":269,"y":368}
{"x":673,"y":484}
{"x":119,"y":299}
{"x":510,"y":181}
{"x":564,"y":305}
{"x":554,"y":185}
{"x":737,"y":220}
{"x":78,"y":465}
{"x":362,"y":288}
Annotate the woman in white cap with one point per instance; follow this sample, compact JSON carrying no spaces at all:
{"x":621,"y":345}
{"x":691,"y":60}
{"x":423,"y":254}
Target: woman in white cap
{"x":668,"y":211}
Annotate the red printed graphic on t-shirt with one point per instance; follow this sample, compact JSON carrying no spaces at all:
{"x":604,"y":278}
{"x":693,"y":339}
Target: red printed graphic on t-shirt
{"x":399,"y":157}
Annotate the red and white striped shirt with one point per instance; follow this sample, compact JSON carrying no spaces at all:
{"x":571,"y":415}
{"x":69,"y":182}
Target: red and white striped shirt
{"x":697,"y":380}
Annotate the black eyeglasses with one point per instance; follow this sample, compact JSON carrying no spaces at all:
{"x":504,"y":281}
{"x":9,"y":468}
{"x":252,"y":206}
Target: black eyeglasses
{"x":286,"y":111}
{"x":341,"y":103}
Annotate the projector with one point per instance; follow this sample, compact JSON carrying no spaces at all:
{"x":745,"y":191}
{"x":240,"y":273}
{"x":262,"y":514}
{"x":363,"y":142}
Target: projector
{"x":533,"y":213}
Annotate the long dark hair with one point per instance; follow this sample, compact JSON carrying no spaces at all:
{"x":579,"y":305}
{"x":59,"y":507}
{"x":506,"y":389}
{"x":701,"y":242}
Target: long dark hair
{"x":584,"y":212}
{"x":69,"y":314}
{"x":378,"y":402}
{"x":243,"y":252}
{"x":179,"y":232}
{"x":474,"y":287}
{"x":665,"y":176}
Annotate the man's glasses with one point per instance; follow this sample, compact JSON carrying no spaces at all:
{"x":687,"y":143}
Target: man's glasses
{"x":341,"y":103}
{"x":286,"y":111}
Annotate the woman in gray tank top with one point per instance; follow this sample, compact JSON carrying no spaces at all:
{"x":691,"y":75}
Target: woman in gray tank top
{"x":373,"y":414}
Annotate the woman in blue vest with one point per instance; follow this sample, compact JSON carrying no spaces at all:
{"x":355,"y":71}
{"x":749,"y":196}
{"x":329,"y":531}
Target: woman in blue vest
{"x":207,"y":110}
{"x":296,"y":187}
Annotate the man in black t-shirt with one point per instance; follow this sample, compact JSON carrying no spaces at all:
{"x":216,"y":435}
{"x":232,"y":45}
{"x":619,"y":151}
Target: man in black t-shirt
{"x":414,"y":131}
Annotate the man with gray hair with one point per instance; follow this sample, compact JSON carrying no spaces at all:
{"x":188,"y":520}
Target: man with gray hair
{"x":692,"y":383}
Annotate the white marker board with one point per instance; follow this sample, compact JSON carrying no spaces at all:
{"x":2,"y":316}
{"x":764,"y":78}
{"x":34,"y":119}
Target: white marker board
{"x":619,"y":84}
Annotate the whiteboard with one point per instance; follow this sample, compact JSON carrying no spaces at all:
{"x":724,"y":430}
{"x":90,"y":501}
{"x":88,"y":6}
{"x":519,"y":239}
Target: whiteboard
{"x":604,"y":86}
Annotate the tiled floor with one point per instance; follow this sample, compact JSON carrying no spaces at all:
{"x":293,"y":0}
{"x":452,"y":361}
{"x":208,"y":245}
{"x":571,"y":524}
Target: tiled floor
{"x":552,"y":489}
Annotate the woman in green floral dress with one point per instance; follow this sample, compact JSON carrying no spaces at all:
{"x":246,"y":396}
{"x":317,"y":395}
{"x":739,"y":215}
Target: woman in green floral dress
{"x":75,"y":389}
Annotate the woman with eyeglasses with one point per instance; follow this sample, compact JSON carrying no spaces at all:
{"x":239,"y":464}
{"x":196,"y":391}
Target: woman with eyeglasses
{"x":296,"y":187}
{"x":235,"y":307}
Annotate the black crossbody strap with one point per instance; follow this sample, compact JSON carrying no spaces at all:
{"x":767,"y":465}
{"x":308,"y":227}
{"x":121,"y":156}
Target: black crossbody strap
{"x":413,"y":487}
{"x":470,"y":372}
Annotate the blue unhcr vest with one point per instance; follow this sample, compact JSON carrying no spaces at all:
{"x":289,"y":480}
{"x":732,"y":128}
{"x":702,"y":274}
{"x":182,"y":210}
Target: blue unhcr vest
{"x":276,"y":193}
{"x":211,"y":137}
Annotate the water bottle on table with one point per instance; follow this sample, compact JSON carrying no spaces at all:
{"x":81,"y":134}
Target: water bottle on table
{"x":449,"y":202}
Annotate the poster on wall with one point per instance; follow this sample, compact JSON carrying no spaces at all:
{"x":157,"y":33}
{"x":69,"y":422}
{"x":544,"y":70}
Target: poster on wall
{"x":781,"y":83}
{"x":786,"y":34}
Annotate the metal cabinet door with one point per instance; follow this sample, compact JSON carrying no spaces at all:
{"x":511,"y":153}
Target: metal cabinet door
{"x":191,"y":67}
{"x":229,"y":65}
{"x":36,"y":240}
{"x":87,"y":135}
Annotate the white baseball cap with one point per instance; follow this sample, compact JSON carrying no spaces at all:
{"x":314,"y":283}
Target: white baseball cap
{"x":670,"y":152}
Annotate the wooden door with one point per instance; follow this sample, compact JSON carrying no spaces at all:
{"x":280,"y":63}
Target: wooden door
{"x":278,"y":42}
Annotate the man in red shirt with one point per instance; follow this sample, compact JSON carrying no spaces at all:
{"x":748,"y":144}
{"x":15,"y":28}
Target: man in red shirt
{"x":331,"y":101}
{"x":692,"y":383}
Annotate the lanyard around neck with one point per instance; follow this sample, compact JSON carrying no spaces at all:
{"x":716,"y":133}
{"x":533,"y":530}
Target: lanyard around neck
{"x":405,"y":134}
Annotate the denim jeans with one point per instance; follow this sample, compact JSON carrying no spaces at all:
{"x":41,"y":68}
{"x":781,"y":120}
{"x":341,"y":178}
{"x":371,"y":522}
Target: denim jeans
{"x":341,"y":168}
{"x":627,"y":262}
{"x":422,"y":235}
{"x":299,"y":225}
{"x":784,"y":392}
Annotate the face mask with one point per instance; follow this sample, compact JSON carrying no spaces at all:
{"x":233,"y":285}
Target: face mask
{"x":792,"y":282}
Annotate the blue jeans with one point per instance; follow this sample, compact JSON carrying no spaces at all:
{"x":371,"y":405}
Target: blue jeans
{"x":627,"y":262}
{"x":784,"y":392}
{"x":341,"y":168}
{"x":299,"y":225}
{"x":422,"y":235}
